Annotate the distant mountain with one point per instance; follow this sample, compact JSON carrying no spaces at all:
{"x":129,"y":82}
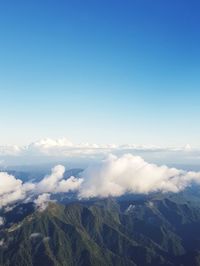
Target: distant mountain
{"x":126,"y":231}
{"x":37,"y":175}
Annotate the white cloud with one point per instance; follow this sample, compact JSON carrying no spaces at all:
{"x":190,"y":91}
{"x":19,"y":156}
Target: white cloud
{"x":13,"y":190}
{"x":60,"y":147}
{"x":50,"y":182}
{"x":10,"y":150}
{"x":54,"y":183}
{"x":44,"y":150}
{"x":131,"y":174}
{"x":64,"y":147}
{"x":42,"y":201}
{"x":48,"y":146}
{"x":113,"y":176}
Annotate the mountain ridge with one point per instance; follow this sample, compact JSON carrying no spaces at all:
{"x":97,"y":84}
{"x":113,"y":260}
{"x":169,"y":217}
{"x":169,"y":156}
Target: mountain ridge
{"x":103,"y":232}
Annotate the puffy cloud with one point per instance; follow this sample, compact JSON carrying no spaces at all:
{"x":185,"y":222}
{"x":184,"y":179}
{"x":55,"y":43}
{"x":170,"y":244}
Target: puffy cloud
{"x":61,"y":147}
{"x":113,"y":176}
{"x":48,"y":146}
{"x":54,"y":183}
{"x":70,"y":184}
{"x":116,"y":176}
{"x":50,"y":143}
{"x":42,"y":201}
{"x":50,"y":182}
{"x":13,"y":190}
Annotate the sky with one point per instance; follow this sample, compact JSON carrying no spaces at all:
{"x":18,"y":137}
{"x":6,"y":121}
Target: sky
{"x":100,"y":71}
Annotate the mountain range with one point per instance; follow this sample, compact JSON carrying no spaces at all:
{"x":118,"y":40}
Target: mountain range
{"x":130,"y":231}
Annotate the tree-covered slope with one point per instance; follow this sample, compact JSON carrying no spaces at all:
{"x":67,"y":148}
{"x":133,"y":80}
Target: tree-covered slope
{"x":103,"y":232}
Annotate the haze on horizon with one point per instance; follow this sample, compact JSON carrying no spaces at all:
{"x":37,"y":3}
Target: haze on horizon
{"x":100,"y":72}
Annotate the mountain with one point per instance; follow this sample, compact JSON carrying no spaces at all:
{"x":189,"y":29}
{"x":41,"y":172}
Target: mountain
{"x":37,"y":174}
{"x":126,"y":231}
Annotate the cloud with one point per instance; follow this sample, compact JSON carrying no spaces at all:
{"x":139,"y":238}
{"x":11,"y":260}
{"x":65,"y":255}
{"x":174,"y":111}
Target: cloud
{"x":113,"y":176}
{"x":48,"y":146}
{"x":64,"y":147}
{"x":116,"y":176}
{"x":54,"y":183}
{"x":42,"y":201}
{"x":51,"y":150}
{"x":10,"y":150}
{"x":13,"y":190}
{"x":50,"y":182}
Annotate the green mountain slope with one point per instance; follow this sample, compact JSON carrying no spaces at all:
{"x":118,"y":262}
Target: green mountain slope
{"x":104,"y":232}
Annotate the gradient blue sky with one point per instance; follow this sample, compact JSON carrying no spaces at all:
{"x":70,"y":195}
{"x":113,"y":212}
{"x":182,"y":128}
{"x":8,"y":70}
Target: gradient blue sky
{"x":100,"y":71}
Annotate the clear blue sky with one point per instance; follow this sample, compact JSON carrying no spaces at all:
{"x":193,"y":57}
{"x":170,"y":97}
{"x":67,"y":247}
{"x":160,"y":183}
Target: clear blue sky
{"x":103,"y":71}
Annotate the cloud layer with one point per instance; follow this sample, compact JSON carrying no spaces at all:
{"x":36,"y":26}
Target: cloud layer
{"x":113,"y":176}
{"x":64,"y":147}
{"x":49,"y":151}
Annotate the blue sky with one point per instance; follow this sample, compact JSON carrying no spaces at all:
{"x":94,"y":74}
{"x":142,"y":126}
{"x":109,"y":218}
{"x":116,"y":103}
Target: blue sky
{"x":100,"y":71}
